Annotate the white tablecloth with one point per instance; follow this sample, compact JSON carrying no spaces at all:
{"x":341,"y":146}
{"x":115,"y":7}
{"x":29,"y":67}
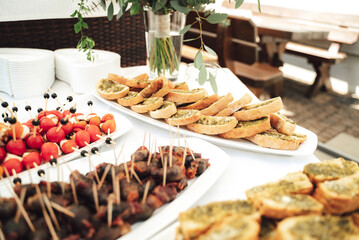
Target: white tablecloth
{"x":246,"y":169}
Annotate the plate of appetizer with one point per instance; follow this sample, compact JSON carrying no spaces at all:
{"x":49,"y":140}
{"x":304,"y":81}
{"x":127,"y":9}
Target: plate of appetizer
{"x":126,"y":196}
{"x":57,"y":133}
{"x":237,"y":120}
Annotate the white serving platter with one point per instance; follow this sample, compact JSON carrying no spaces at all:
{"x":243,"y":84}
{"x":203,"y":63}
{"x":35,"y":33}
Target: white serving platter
{"x":123,"y":125}
{"x":306,"y":148}
{"x":167,"y":214}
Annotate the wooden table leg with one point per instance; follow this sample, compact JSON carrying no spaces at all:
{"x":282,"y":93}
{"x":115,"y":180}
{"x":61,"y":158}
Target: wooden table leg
{"x":322,"y":79}
{"x":274,"y":49}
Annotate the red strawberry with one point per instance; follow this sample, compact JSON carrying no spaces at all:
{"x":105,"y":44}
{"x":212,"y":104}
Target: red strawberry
{"x":67,"y":146}
{"x":29,"y":158}
{"x":107,"y":116}
{"x":12,"y":162}
{"x":34,"y":142}
{"x":82,"y":137}
{"x":55,"y":135}
{"x":49,"y":150}
{"x":17,"y":147}
{"x":46,"y":123}
{"x":2,"y":154}
{"x":109,"y":126}
{"x":93,"y":130}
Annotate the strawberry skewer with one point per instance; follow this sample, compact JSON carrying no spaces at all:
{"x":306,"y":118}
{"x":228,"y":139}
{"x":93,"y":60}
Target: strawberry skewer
{"x":28,"y":109}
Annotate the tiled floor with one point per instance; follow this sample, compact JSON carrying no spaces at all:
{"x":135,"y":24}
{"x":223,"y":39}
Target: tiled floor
{"x":326,"y":114}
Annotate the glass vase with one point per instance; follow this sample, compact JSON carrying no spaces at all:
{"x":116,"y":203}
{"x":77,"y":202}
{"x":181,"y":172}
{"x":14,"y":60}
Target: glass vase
{"x":164,"y":43}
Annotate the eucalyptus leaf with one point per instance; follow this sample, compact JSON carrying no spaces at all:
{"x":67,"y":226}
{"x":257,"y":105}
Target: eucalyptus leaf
{"x":77,"y":27}
{"x":179,"y":8}
{"x":135,"y":8}
{"x":210,"y":51}
{"x":212,"y":80}
{"x":198,"y":60}
{"x":110,"y":12}
{"x":198,"y":8}
{"x":74,"y":14}
{"x":103,"y":4}
{"x":259,"y":6}
{"x":160,"y":4}
{"x":239,"y":3}
{"x":216,"y":18}
{"x":190,"y":39}
{"x":202,"y":75}
{"x":185,"y":29}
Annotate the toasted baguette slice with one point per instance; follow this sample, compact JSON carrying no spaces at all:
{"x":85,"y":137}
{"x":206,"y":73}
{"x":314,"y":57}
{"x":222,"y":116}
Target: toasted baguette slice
{"x":186,"y":96}
{"x":183,"y":117}
{"x":165,"y":111}
{"x":329,"y":170}
{"x":355,"y":217}
{"x":280,"y":206}
{"x":217,"y":106}
{"x":235,"y":106}
{"x":237,"y":227}
{"x":282,"y":123}
{"x":248,"y":128}
{"x":258,"y":110}
{"x":196,"y":221}
{"x":213,"y":125}
{"x":273,"y":139}
{"x":339,"y":196}
{"x":149,"y":104}
{"x":143,"y":77}
{"x":181,"y":85}
{"x":132,"y":98}
{"x":165,"y":86}
{"x":294,"y":183}
{"x":299,"y":137}
{"x":314,"y":227}
{"x":153,"y":87}
{"x":203,"y":103}
{"x":111,"y":90}
{"x":135,"y":83}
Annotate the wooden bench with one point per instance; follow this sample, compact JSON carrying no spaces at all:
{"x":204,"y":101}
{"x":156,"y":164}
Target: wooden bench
{"x":237,"y":49}
{"x":321,"y":54}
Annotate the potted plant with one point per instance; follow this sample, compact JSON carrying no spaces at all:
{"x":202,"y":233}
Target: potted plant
{"x":163,"y":55}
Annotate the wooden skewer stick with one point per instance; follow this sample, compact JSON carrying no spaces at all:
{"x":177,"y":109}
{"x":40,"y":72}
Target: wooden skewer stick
{"x":184,"y":154}
{"x":22,"y":197}
{"x":114,"y":189}
{"x":46,"y":99}
{"x":2,"y":236}
{"x":126,"y":170}
{"x":118,"y":190}
{"x":46,"y":216}
{"x":68,"y":167}
{"x":149,"y":157}
{"x":51,"y":211}
{"x":15,"y":112}
{"x":147,"y":187}
{"x":104,"y":176}
{"x":132,"y":164}
{"x":95,"y":196}
{"x":136,"y":176}
{"x":8,"y":108}
{"x":164,"y":172}
{"x":190,"y":151}
{"x":57,"y":100}
{"x":161,"y":154}
{"x":13,"y":133}
{"x":74,"y":191}
{"x":119,"y":154}
{"x":61,"y":209}
{"x":48,"y":186}
{"x":109,"y":212}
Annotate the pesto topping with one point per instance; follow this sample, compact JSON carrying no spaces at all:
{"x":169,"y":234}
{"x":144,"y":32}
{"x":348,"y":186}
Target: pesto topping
{"x":332,"y":169}
{"x":241,"y":124}
{"x":149,"y":101}
{"x":286,"y":119}
{"x":304,"y":202}
{"x":323,"y":228}
{"x":210,"y":120}
{"x":184,"y":113}
{"x":130,"y":95}
{"x":165,"y":105}
{"x":110,"y":86}
{"x":196,"y":90}
{"x":179,"y":84}
{"x":346,"y":186}
{"x":257,"y":105}
{"x":278,"y":135}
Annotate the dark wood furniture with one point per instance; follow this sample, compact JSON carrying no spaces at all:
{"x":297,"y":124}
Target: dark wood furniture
{"x":125,"y":36}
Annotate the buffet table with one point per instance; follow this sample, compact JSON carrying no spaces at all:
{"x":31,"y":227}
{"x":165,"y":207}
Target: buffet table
{"x":245,"y":169}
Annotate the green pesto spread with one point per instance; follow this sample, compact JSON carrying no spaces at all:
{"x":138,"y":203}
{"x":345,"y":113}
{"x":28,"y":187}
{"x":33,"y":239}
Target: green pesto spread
{"x":303,"y":202}
{"x":332,"y":170}
{"x":345,"y":186}
{"x":257,"y":105}
{"x":149,"y":101}
{"x":209,"y":120}
{"x":241,"y":124}
{"x":196,"y":90}
{"x":130,"y":95}
{"x":110,"y":86}
{"x":184,"y":113}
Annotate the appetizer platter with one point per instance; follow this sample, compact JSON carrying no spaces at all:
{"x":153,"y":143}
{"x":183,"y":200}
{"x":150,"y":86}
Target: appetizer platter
{"x":127,"y":186}
{"x":244,"y":123}
{"x":320,"y":202}
{"x":35,"y":136}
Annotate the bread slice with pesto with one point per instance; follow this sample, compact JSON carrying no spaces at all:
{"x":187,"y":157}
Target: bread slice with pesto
{"x":292,"y":183}
{"x":165,"y":111}
{"x":111,"y":90}
{"x":202,"y":103}
{"x":330,"y":170}
{"x":273,"y":139}
{"x":245,"y":129}
{"x":164,"y":86}
{"x":258,"y":110}
{"x":181,"y":85}
{"x":199,"y":220}
{"x":235,"y":106}
{"x":132,"y":98}
{"x":211,"y":125}
{"x":183,"y":117}
{"x":139,"y":82}
{"x":149,"y":104}
{"x":339,"y":196}
{"x":236,"y":227}
{"x":285,"y":205}
{"x":282,"y":123}
{"x":217,"y":106}
{"x":313,"y":227}
{"x":186,"y":96}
